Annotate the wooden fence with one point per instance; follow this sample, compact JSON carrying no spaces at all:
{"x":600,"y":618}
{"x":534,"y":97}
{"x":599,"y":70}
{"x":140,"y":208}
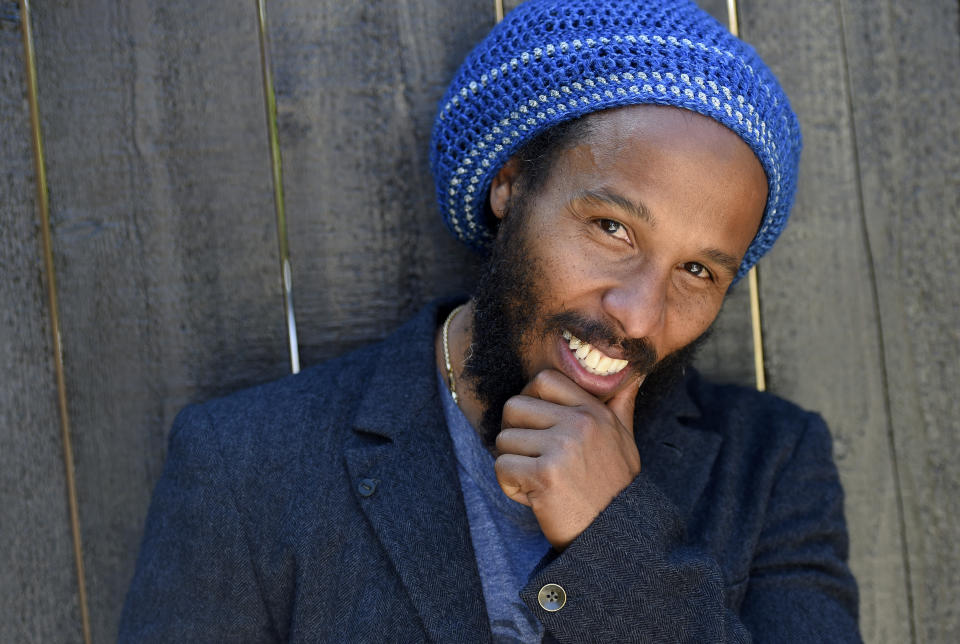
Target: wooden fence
{"x":165,"y":252}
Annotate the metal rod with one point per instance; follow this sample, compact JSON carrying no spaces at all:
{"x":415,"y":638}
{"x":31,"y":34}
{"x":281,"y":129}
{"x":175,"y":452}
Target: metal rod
{"x":733,"y":19}
{"x":43,"y":204}
{"x":276,"y":164}
{"x":756,"y":323}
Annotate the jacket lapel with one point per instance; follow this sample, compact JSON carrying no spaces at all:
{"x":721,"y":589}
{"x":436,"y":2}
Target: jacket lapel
{"x":678,"y":448}
{"x":402,"y":449}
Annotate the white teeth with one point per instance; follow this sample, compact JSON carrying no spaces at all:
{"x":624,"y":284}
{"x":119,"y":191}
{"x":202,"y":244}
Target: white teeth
{"x":592,"y":359}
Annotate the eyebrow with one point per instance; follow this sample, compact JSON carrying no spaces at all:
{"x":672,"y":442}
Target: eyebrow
{"x":606,"y":197}
{"x":729,"y":263}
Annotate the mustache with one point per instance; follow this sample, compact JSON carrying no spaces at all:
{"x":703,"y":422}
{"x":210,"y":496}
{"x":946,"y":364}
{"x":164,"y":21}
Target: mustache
{"x":638,"y":351}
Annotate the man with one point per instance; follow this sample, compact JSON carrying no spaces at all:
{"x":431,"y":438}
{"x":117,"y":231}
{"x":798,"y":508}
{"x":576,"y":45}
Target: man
{"x":537,"y":463}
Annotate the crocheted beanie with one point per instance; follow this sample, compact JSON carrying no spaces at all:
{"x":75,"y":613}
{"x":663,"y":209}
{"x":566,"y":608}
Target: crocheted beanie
{"x":550,"y":61}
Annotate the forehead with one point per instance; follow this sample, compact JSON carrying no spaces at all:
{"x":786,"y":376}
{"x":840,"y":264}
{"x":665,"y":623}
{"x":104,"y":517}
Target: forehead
{"x":666,"y":134}
{"x":684,"y":169}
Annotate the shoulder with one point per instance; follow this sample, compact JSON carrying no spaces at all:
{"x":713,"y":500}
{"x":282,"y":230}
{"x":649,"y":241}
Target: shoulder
{"x":266,"y":445}
{"x":273,"y":452}
{"x":741,"y":412}
{"x":298,"y":425}
{"x":762,"y":431}
{"x":305,"y":403}
{"x":737,"y":404}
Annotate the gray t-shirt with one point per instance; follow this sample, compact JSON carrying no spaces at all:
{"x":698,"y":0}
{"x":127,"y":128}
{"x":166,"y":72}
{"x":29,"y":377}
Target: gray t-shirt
{"x":506,"y":537}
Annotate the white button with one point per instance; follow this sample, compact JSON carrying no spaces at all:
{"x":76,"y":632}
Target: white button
{"x":552,"y":597}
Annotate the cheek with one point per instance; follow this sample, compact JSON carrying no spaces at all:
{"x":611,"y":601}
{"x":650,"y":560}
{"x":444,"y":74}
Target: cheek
{"x":689,"y":318}
{"x":564,"y":273}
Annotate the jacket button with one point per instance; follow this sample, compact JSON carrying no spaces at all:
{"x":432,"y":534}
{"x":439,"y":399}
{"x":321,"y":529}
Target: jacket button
{"x":366,"y":487}
{"x":552,"y":597}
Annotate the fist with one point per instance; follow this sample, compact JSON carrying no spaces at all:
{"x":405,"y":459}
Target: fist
{"x":565,"y":454}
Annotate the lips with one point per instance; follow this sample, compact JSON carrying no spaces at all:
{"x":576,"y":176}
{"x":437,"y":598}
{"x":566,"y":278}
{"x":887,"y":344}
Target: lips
{"x":592,"y":359}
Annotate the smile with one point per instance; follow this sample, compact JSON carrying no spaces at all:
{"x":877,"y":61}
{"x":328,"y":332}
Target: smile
{"x":593,"y":360}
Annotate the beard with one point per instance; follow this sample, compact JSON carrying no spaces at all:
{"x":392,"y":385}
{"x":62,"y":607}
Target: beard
{"x":507,"y":314}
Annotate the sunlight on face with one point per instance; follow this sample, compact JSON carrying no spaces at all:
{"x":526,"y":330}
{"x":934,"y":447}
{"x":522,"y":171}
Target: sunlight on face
{"x":641,"y":227}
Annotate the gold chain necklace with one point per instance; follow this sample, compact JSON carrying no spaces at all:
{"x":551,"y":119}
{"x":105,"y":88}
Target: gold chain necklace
{"x":446,"y":354}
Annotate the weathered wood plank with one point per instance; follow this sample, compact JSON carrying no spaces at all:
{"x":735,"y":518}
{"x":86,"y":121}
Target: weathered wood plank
{"x":164,"y":238}
{"x":822,"y":336}
{"x":904,"y":66}
{"x":357,"y":89}
{"x":38,"y":587}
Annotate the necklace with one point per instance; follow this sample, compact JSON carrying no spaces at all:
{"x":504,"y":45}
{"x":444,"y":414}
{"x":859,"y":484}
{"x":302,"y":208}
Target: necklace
{"x":446,"y":354}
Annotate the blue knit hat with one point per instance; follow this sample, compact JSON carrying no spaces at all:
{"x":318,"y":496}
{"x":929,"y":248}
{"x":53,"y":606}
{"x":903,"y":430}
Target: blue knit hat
{"x":550,"y":61}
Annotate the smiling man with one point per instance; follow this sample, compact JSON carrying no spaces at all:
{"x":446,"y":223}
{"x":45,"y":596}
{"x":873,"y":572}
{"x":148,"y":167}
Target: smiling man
{"x":538,"y":462}
{"x":618,"y":260}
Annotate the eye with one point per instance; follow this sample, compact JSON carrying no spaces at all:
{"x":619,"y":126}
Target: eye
{"x":614,"y":228}
{"x":698,"y":270}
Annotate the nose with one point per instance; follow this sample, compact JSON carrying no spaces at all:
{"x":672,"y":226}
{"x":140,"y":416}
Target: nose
{"x":638,"y":303}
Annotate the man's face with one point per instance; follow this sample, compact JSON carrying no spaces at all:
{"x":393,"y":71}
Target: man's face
{"x":624,"y":254}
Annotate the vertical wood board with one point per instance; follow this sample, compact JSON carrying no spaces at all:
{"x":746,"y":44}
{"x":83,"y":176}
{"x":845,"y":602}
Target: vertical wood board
{"x":357,"y":89}
{"x":38,"y":587}
{"x":904,"y":64}
{"x":164,"y":239}
{"x":821,"y":331}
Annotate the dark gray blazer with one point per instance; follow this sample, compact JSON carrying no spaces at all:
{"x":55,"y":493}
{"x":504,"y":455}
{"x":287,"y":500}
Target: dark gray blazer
{"x":326,"y":507}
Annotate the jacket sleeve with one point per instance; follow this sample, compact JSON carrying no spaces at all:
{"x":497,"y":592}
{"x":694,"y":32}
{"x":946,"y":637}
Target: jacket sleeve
{"x":630,"y":577}
{"x":194,"y":580}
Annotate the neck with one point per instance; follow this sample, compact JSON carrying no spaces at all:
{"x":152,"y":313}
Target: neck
{"x":459,"y":338}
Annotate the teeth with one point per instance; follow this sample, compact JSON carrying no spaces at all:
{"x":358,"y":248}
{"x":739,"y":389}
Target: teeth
{"x":592,"y":359}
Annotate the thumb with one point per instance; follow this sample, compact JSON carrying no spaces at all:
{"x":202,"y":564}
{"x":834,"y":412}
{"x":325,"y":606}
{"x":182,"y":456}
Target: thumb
{"x":623,"y":403}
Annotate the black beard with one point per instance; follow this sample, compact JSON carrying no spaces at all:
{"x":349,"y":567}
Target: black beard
{"x":506,"y":310}
{"x":503,"y":303}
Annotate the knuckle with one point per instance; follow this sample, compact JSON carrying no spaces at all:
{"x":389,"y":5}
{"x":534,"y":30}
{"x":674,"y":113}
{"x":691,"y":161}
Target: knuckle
{"x":510,"y":409}
{"x":548,"y":471}
{"x":546,"y":475}
{"x":583,"y":420}
{"x":565,"y":442}
{"x":543,"y":379}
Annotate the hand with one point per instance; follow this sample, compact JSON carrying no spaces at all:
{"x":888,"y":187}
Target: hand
{"x":565,"y":454}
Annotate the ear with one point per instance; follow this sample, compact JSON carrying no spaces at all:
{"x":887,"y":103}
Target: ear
{"x":503,"y":187}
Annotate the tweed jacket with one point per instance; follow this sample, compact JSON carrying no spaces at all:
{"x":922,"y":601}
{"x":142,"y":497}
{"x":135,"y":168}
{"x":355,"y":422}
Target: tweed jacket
{"x":326,"y":507}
